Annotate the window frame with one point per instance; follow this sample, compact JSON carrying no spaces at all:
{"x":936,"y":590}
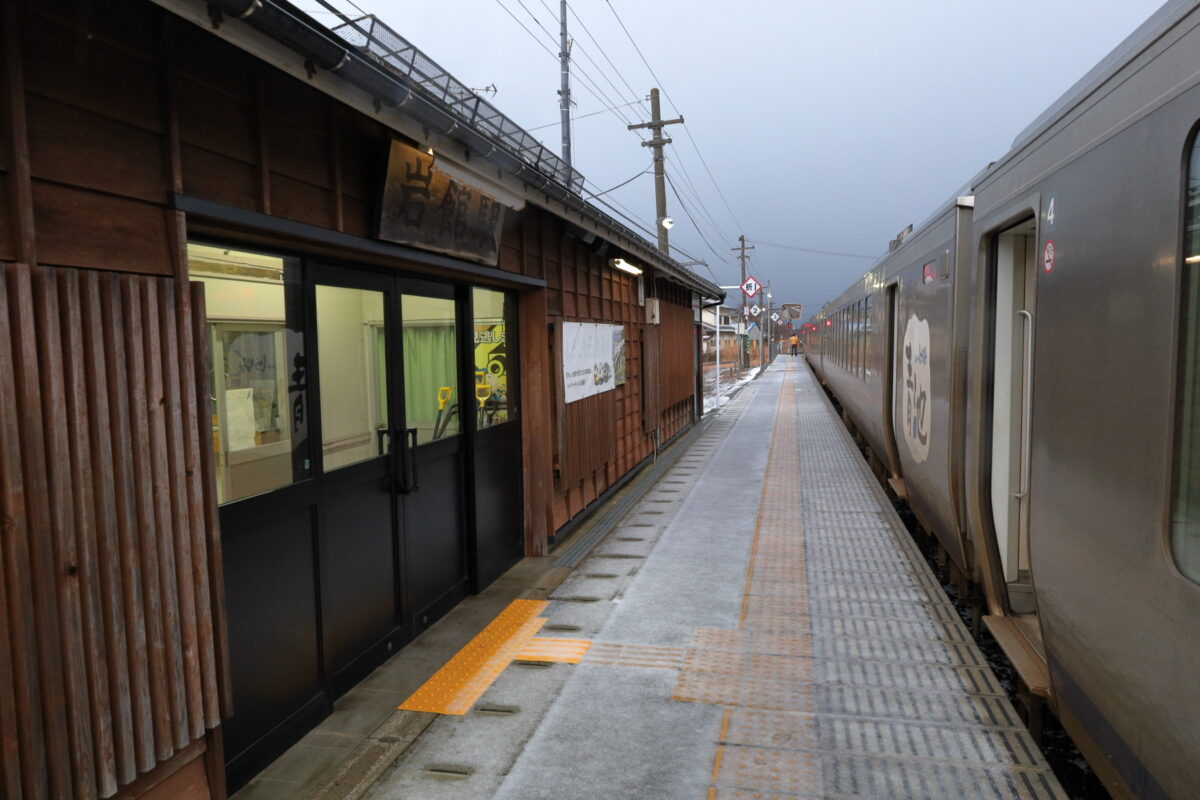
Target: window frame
{"x":1187,"y":366}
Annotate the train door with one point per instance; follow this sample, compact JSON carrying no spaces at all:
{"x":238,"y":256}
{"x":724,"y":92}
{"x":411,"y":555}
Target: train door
{"x":1013,"y":254}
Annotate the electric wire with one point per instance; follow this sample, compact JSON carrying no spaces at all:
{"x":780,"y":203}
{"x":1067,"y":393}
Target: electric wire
{"x":692,"y":219}
{"x":580,"y":116}
{"x":619,"y":185}
{"x":672,"y":102}
{"x":697,"y":200}
{"x":604,"y":53}
{"x":689,"y":189}
{"x":586,"y":79}
{"x":575,"y":45}
{"x":810,"y":250}
{"x":642,"y":228}
{"x":714,"y":229}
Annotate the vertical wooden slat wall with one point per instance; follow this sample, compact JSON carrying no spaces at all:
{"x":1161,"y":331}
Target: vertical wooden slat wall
{"x":109,"y":612}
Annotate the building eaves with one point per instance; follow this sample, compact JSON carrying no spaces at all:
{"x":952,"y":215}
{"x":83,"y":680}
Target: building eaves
{"x":461,"y":124}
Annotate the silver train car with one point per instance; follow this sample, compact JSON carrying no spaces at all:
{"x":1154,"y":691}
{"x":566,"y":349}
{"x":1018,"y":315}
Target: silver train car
{"x":1024,"y":368}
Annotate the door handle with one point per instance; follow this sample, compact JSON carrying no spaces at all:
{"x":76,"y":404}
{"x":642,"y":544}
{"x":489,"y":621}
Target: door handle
{"x":1026,"y":404}
{"x":413,"y":476}
{"x":379,"y":434}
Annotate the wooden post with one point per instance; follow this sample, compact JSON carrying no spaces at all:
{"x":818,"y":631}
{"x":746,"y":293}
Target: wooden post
{"x":20,"y":180}
{"x":535,"y":400}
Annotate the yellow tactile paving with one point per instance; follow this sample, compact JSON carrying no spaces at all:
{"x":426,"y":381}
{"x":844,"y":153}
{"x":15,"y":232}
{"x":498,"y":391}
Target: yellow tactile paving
{"x":762,"y":672}
{"x":635,"y":655}
{"x":566,"y":651}
{"x":454,"y":688}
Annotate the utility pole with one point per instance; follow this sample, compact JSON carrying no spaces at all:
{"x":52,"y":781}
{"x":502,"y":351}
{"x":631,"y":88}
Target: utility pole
{"x":764,"y":355}
{"x":564,"y":103}
{"x":656,"y":142}
{"x":741,"y":251}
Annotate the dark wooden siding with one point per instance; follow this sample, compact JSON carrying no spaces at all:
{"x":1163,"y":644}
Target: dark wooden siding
{"x":677,"y":347}
{"x":598,"y":440}
{"x":111,"y":585}
{"x":110,"y":107}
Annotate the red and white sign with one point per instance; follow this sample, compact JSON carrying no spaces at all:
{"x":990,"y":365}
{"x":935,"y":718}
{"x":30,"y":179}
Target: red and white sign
{"x":1048,"y":256}
{"x":751,"y":286}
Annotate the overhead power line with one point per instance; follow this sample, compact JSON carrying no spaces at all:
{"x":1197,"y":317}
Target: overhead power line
{"x":672,"y":102}
{"x":810,"y":250}
{"x":585,"y":80}
{"x":619,"y":185}
{"x":692,"y":219}
{"x":603,"y":53}
{"x":605,"y":110}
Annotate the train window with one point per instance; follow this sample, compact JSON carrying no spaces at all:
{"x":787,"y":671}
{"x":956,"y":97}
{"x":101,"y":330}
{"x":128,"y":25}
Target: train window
{"x":868,"y":329}
{"x":862,"y":340}
{"x":854,"y":339}
{"x":1185,"y":512}
{"x":858,"y":338}
{"x":845,"y":347}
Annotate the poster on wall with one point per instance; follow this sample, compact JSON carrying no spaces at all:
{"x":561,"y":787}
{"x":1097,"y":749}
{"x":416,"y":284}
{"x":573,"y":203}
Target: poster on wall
{"x":588,"y":359}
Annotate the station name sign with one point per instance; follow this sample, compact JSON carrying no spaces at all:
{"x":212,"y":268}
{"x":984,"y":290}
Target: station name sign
{"x":427,"y":207}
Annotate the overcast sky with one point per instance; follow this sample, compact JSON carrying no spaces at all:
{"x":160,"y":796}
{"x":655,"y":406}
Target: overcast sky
{"x":825,"y":125}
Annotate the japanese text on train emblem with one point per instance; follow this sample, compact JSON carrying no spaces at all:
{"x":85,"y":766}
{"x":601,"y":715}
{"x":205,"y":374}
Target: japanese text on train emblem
{"x":915,"y":398}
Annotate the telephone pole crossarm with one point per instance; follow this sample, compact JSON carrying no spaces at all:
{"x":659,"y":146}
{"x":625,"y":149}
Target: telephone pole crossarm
{"x":658,"y":124}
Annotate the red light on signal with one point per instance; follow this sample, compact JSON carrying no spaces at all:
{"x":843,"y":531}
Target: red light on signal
{"x":828,"y":323}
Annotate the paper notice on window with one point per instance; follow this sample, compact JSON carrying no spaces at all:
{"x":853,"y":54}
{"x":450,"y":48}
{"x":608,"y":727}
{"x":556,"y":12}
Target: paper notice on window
{"x":239,"y":418}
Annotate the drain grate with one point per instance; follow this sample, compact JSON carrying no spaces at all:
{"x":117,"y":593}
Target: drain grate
{"x":449,"y":772}
{"x":496,"y":710}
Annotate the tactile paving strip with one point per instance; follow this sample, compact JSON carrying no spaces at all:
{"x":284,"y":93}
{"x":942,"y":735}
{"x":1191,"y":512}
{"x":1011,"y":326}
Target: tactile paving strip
{"x":850,"y":674}
{"x":455,"y":687}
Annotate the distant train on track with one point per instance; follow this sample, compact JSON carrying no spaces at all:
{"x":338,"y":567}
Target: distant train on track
{"x":1024,"y":368}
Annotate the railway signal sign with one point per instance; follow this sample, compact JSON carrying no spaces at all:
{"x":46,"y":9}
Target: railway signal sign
{"x":775,"y":318}
{"x":755,"y":310}
{"x":751,"y":287}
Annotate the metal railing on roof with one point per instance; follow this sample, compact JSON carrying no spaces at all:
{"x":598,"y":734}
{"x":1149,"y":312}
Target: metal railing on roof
{"x":392,"y":51}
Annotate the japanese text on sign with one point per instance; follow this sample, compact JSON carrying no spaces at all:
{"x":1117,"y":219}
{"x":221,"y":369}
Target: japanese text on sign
{"x":426,"y":207}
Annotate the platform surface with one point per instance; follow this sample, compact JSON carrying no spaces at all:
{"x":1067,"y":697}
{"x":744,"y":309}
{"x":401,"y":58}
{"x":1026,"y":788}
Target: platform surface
{"x":760,"y":626}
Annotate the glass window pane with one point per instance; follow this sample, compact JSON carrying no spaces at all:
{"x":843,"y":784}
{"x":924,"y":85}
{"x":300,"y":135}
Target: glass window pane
{"x":432,"y":403}
{"x":258,"y":377}
{"x":869,"y":330}
{"x":495,"y":356}
{"x":352,"y":358}
{"x":1185,"y":517}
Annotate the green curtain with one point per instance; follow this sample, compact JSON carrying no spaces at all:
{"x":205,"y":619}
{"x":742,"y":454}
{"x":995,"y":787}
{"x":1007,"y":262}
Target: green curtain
{"x":430,"y":362}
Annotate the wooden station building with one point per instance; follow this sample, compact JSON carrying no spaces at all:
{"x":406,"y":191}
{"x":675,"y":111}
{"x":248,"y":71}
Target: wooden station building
{"x":300,"y":343}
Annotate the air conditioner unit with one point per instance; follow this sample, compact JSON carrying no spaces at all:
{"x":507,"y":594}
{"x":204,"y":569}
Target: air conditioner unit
{"x":652,"y":317}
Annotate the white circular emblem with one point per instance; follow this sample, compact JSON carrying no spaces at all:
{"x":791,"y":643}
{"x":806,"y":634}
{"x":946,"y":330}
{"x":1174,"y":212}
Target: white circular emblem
{"x":915,"y":397}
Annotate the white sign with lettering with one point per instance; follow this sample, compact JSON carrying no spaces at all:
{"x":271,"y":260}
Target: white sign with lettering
{"x":592,"y":356}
